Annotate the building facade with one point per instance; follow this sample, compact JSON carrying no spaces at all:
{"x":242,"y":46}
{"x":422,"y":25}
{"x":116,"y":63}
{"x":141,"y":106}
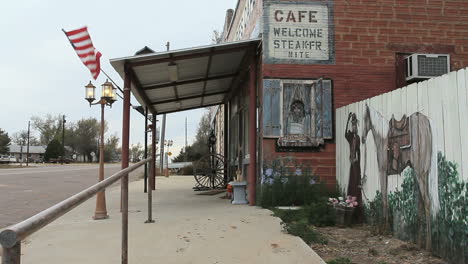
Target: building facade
{"x":36,"y":153}
{"x":317,"y":56}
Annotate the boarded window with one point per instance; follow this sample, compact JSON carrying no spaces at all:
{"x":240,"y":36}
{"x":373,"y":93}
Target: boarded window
{"x":299,"y":109}
{"x":271,"y":108}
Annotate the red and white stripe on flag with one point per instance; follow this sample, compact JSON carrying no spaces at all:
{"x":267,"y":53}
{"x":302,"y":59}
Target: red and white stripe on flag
{"x":81,"y":42}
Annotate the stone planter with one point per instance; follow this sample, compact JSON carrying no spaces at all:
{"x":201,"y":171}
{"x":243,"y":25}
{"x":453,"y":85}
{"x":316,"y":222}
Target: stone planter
{"x":239,"y":192}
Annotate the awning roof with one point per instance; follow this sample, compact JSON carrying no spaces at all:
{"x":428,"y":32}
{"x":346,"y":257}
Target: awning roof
{"x":189,"y":78}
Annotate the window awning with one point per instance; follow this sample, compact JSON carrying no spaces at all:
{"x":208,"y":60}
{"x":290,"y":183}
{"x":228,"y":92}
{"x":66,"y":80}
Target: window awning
{"x":186,"y":79}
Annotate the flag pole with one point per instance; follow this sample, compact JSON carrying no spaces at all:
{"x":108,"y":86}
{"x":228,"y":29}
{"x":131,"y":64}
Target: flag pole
{"x":111,"y":80}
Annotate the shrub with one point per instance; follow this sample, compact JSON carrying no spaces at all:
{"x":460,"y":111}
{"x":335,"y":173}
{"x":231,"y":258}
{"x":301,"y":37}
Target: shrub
{"x":305,"y":231}
{"x":289,"y":216}
{"x":340,"y":261}
{"x":320,"y":213}
{"x":54,"y":150}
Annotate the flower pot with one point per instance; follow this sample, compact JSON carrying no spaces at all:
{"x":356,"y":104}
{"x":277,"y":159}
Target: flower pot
{"x":344,"y":216}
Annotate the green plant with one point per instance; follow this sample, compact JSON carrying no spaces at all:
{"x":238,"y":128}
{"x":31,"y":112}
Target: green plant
{"x":320,"y":213}
{"x":305,"y":231}
{"x":287,"y":182}
{"x":340,"y":261}
{"x":54,"y":150}
{"x":288,"y":216}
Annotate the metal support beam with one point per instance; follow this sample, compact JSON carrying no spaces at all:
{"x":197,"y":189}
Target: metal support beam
{"x":190,"y":108}
{"x":125,"y":152}
{"x":236,"y":81}
{"x":139,"y":88}
{"x":252,"y":171}
{"x":189,"y":81}
{"x":190,"y":97}
{"x":208,"y":67}
{"x":12,"y":255}
{"x":189,"y":56}
{"x":227,"y":171}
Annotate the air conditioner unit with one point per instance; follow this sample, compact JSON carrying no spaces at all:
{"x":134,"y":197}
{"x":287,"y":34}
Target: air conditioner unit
{"x":425,"y":66}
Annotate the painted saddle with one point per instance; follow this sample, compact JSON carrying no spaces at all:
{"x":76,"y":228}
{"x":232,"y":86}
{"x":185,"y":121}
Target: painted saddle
{"x":399,"y":140}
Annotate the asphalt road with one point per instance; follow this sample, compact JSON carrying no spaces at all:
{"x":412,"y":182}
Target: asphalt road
{"x":27,"y":191}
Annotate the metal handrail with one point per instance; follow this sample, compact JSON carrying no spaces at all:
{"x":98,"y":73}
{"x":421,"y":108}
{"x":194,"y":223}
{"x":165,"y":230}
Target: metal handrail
{"x":12,"y":236}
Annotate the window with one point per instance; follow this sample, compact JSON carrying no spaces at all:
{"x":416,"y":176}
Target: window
{"x":298,"y":112}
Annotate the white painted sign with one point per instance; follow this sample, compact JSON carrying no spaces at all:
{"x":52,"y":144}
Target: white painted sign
{"x":298,"y":32}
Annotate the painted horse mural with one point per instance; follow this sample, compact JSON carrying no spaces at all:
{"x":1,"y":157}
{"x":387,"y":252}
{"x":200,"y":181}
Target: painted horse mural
{"x":399,"y":144}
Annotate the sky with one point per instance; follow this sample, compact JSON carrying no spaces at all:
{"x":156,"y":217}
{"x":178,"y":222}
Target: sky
{"x":41,"y":73}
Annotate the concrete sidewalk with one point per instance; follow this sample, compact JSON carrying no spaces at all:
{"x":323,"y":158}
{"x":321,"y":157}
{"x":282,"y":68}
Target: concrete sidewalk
{"x":189,"y":228}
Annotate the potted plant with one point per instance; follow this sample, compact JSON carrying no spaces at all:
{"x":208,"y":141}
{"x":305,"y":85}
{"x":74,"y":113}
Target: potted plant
{"x":344,"y":210}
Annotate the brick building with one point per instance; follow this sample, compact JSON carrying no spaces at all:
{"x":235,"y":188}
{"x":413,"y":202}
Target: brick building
{"x":350,"y":49}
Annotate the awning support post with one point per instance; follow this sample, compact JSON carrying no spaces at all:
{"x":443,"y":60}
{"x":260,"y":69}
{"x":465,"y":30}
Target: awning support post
{"x":252,"y":172}
{"x":152,"y":175}
{"x":125,"y":152}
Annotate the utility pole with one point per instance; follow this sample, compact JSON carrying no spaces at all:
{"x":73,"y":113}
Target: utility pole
{"x":163,"y":131}
{"x":185,"y":150}
{"x":63,"y":138}
{"x":27,"y":149}
{"x":146,"y":150}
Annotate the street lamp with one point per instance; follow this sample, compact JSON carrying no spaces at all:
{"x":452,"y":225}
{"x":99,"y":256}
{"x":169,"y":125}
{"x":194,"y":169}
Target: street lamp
{"x":108,"y":97}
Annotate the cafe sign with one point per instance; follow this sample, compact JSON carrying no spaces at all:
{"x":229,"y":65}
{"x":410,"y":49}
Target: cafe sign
{"x":298,"y":32}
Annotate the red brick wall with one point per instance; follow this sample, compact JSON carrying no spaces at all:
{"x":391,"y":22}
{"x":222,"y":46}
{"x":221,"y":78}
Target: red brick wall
{"x":368,"y":36}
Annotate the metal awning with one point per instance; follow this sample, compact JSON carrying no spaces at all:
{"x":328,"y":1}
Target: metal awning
{"x":186,"y":79}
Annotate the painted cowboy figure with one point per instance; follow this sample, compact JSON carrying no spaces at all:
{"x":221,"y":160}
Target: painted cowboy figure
{"x":354,"y":184}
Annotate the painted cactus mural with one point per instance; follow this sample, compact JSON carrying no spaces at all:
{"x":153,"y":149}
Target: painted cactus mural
{"x":414,"y":162}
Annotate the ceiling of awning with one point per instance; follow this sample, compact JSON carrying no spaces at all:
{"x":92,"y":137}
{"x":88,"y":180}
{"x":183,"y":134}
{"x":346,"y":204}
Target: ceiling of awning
{"x":189,"y":78}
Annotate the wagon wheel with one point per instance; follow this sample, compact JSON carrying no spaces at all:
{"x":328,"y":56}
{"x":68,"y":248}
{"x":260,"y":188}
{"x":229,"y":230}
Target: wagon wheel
{"x":209,"y":171}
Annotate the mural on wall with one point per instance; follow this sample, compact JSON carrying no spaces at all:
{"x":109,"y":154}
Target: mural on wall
{"x":413,"y":167}
{"x":393,"y":156}
{"x":354,"y":182}
{"x":297,"y":112}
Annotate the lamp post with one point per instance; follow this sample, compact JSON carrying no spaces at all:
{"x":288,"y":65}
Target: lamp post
{"x":108,"y":97}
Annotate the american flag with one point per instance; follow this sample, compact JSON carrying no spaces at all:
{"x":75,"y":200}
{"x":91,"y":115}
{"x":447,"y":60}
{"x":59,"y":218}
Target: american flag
{"x":81,"y":42}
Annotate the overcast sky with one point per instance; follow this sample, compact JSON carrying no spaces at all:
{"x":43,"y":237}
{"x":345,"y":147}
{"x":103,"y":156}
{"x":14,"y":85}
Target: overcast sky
{"x":40,"y":72}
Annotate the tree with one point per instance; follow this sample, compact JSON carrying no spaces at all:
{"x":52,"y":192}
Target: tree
{"x":4,"y":142}
{"x":111,"y":150}
{"x":50,"y":127}
{"x":200,"y":147}
{"x":86,"y":133}
{"x":21,"y":138}
{"x":136,"y":152}
{"x":54,"y":150}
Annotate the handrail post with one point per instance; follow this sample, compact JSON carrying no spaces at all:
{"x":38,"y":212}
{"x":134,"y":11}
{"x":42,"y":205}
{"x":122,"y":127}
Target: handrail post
{"x":152,"y":171}
{"x":12,"y":255}
{"x":150,"y":195}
